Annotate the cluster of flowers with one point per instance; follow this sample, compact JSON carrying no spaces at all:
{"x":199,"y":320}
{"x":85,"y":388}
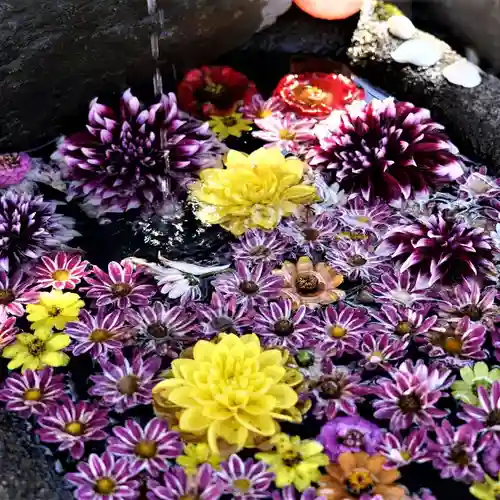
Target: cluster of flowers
{"x":359,"y":307}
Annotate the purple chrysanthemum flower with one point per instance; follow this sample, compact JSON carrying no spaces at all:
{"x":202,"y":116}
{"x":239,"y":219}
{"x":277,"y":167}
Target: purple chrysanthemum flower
{"x":256,"y":246}
{"x":401,"y":451}
{"x":124,"y":384}
{"x":105,"y":478}
{"x":245,"y":480}
{"x":8,"y":331}
{"x":278,"y":325}
{"x":31,"y":392}
{"x":71,"y":424}
{"x":13,"y":168}
{"x":357,"y":261}
{"x":455,"y":453}
{"x":349,"y":434}
{"x":99,"y":334}
{"x":15,"y":292}
{"x":122,"y":287}
{"x":290,"y":493}
{"x":129,"y":161}
{"x":456,"y":344}
{"x":223,"y":315}
{"x":491,"y":459}
{"x":381,"y":350}
{"x":409,"y":397}
{"x":150,"y":448}
{"x":258,"y":107}
{"x":175,"y":484}
{"x":30,"y":227}
{"x":161,"y":329}
{"x":439,"y":250}
{"x":390,"y":150}
{"x":401,"y":322}
{"x":339,"y":330}
{"x":251,"y":286}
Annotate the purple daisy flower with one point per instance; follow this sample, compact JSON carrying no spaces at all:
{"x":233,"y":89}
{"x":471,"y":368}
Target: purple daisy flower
{"x":356,"y":260}
{"x":105,"y":478}
{"x":61,"y":271}
{"x":175,"y":484}
{"x":349,"y":434}
{"x":98,"y":334}
{"x":245,"y":480}
{"x":401,"y":451}
{"x":279,"y":325}
{"x":150,"y":448}
{"x":491,"y":459}
{"x":423,"y":494}
{"x":222,"y":315}
{"x":290,"y":493}
{"x":257,"y":245}
{"x":381,"y":350}
{"x":31,"y":392}
{"x":8,"y":331}
{"x":71,"y":424}
{"x":455,"y":453}
{"x":436,"y":376}
{"x":15,"y":292}
{"x":124,"y":384}
{"x":161,"y":329}
{"x":250,"y":286}
{"x":456,"y":344}
{"x":258,"y":107}
{"x":123,"y":286}
{"x":340,"y":329}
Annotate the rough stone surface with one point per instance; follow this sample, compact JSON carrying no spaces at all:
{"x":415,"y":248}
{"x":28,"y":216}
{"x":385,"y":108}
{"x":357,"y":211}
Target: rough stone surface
{"x":57,"y":56}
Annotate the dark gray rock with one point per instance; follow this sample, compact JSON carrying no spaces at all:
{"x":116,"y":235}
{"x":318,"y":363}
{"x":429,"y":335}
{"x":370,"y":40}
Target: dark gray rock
{"x":58,"y":55}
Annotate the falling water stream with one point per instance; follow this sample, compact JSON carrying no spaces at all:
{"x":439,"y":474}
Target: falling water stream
{"x":158,"y":17}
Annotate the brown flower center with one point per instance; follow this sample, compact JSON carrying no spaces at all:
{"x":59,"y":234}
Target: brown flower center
{"x":146,"y":449}
{"x":409,"y":403}
{"x":33,"y":395}
{"x":459,"y":455}
{"x":403,"y":328}
{"x":307,"y":284}
{"x":36,"y":347}
{"x":452,"y":345}
{"x":229,"y":121}
{"x":242,"y":485}
{"x":291,"y":458}
{"x":287,"y":135}
{"x":223,"y":324}
{"x":283,"y":327}
{"x":249,"y":287}
{"x":75,"y":428}
{"x":54,"y":311}
{"x":474,"y":312}
{"x":60,"y":275}
{"x":6,"y":297}
{"x":359,"y":482}
{"x":128,"y":385}
{"x":158,"y":330}
{"x":121,"y":289}
{"x":329,"y":390}
{"x":104,"y":486}
{"x":311,"y":234}
{"x":493,"y":418}
{"x":336,"y":331}
{"x":260,"y":251}
{"x":100,"y":335}
{"x":357,"y":260}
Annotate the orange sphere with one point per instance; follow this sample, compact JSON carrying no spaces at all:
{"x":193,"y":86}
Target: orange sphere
{"x":330,"y":9}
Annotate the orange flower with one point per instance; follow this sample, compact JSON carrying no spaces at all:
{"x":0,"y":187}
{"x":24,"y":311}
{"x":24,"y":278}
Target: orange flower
{"x":357,"y":474}
{"x":310,"y":285}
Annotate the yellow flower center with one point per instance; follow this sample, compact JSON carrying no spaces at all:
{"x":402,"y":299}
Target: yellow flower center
{"x":242,"y":485}
{"x":337,"y":331}
{"x":363,"y":219}
{"x":128,"y":385}
{"x":405,"y":455}
{"x":311,"y":94}
{"x":286,"y":135}
{"x":60,"y":275}
{"x":104,"y":486}
{"x":214,"y":88}
{"x":403,"y":328}
{"x":6,"y":297}
{"x":121,"y":289}
{"x":452,"y":345}
{"x":264,"y":113}
{"x":146,"y":449}
{"x":33,"y":395}
{"x":307,"y":284}
{"x":75,"y":428}
{"x":100,"y":335}
{"x":359,"y":482}
{"x":36,"y":347}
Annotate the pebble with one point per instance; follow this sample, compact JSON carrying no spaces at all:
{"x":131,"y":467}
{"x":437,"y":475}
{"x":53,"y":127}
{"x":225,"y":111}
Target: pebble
{"x":418,"y":52}
{"x":401,"y":27}
{"x":463,"y":73}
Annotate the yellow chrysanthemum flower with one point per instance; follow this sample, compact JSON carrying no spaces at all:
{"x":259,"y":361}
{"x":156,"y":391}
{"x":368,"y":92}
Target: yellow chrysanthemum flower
{"x":34,"y":351}
{"x":233,"y":124}
{"x":294,"y":461}
{"x":229,"y":390}
{"x":473,"y":377}
{"x":196,"y":454}
{"x":54,"y":310}
{"x":489,"y":489}
{"x":253,"y":191}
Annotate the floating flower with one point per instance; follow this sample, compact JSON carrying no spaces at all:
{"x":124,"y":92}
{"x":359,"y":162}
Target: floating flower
{"x":214,"y":90}
{"x":54,"y":310}
{"x":349,"y":434}
{"x":474,"y":377}
{"x":358,"y":215}
{"x":105,"y":478}
{"x":30,"y":227}
{"x":150,"y":448}
{"x":245,"y":480}
{"x":250,"y":286}
{"x":229,"y":125}
{"x":13,"y":168}
{"x":196,"y":454}
{"x":290,"y":493}
{"x":260,"y":246}
{"x":61,"y":271}
{"x":401,"y":451}
{"x":294,"y":461}
{"x":408,"y":154}
{"x":125,"y":384}
{"x":122,"y":287}
{"x":15,"y":292}
{"x":317,"y":94}
{"x":255,"y":393}
{"x":309,"y":284}
{"x":437,"y":250}
{"x":34,"y":351}
{"x":258,"y":107}
{"x":30,"y":393}
{"x":71,"y":425}
{"x":487,"y":490}
{"x":491,"y":459}
{"x":381,"y":350}
{"x":8,"y":332}
{"x":161,"y":329}
{"x":359,"y":475}
{"x":253,"y":191}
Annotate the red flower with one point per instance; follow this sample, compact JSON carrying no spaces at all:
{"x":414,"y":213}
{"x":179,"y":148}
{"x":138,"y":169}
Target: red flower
{"x":214,"y":90}
{"x":317,"y":94}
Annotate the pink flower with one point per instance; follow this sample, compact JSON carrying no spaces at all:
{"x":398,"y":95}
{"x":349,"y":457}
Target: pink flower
{"x":258,"y":107}
{"x":64,"y":270}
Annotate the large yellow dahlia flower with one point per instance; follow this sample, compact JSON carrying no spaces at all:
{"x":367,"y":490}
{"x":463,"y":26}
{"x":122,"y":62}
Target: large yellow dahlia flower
{"x":253,"y":191}
{"x":232,"y":391}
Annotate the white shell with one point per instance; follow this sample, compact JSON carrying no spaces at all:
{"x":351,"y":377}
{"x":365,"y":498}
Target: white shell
{"x":463,"y":73}
{"x":418,"y":52}
{"x":401,"y":27}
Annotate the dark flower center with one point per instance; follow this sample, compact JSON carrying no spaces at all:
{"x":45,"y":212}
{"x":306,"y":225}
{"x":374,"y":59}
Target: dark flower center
{"x":330,"y":390}
{"x":260,"y":251}
{"x":357,"y":260}
{"x":128,"y":385}
{"x":291,"y":458}
{"x":283,"y":327}
{"x":6,"y":297}
{"x":304,"y":358}
{"x":307,"y":284}
{"x":310,"y":234}
{"x":230,"y":121}
{"x":353,"y":439}
{"x":121,"y":289}
{"x":54,"y":311}
{"x":474,"y":313}
{"x":249,"y":287}
{"x":223,"y":324}
{"x":158,"y":330}
{"x":452,"y":345}
{"x":459,"y":455}
{"x":359,"y":482}
{"x":36,"y":347}
{"x":493,"y":418}
{"x":403,"y":328}
{"x":409,"y":403}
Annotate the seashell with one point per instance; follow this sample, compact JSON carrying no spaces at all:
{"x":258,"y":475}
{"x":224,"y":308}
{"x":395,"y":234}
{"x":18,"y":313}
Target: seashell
{"x":418,"y":52}
{"x":463,"y":73}
{"x":401,"y":27}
